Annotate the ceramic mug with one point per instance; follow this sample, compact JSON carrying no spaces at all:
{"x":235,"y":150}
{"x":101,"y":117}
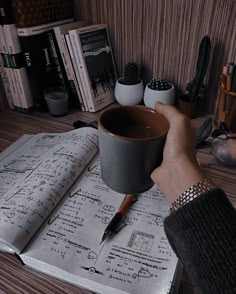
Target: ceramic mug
{"x":131,"y":140}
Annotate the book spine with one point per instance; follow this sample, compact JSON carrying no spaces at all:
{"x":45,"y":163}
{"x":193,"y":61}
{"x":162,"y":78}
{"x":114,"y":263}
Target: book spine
{"x":3,"y":98}
{"x":55,"y":58}
{"x":35,"y":30}
{"x":68,"y":66}
{"x":17,"y":59}
{"x":6,"y":84}
{"x":82,"y":69}
{"x":76,"y":69}
{"x":9,"y":69}
{"x":39,"y":65}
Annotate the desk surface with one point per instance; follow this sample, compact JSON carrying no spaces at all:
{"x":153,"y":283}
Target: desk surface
{"x":16,"y":278}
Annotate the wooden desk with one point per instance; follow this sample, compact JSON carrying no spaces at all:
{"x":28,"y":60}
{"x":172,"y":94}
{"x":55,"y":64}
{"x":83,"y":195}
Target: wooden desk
{"x":16,"y":278}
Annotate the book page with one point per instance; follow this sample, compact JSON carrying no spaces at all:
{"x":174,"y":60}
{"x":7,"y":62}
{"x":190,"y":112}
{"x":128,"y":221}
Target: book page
{"x":35,"y":176}
{"x":137,"y":260}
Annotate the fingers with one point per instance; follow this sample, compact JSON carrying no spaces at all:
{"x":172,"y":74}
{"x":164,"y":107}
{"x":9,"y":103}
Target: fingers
{"x":169,"y":111}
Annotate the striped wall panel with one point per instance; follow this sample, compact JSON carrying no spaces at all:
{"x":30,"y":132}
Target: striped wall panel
{"x":163,"y":36}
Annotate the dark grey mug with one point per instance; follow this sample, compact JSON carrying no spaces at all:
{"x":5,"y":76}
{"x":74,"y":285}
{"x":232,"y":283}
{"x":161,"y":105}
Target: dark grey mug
{"x":131,"y":140}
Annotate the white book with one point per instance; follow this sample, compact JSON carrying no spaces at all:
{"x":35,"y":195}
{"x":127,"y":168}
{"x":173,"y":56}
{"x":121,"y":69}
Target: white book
{"x":35,"y":30}
{"x":76,"y":70}
{"x":94,"y":58}
{"x":55,"y":208}
{"x":60,"y":32}
{"x":14,"y":49}
{"x":6,"y":84}
{"x":9,"y":70}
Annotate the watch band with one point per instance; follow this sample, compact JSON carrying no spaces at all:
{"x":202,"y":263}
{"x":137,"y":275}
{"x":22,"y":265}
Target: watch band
{"x":191,"y":193}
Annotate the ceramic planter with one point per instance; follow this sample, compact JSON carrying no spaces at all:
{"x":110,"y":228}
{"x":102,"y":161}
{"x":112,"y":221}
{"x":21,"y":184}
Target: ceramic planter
{"x":128,"y":94}
{"x":164,"y":96}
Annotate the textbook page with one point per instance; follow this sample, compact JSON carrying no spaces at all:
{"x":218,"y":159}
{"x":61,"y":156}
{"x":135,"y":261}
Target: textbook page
{"x":138,"y":259}
{"x":34,"y":177}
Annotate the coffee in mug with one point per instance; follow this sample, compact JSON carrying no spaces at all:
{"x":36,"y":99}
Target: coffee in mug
{"x":131,"y":140}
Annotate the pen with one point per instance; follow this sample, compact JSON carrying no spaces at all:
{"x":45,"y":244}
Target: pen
{"x":117,"y":218}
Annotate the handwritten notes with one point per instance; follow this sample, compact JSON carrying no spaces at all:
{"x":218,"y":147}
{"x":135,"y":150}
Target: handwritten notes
{"x":36,"y":176}
{"x":136,"y":260}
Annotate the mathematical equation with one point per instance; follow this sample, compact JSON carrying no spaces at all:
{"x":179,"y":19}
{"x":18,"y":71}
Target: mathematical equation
{"x":41,"y":181}
{"x":139,"y":252}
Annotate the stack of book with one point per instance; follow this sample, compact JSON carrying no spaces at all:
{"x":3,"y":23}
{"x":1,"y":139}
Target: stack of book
{"x":65,"y":53}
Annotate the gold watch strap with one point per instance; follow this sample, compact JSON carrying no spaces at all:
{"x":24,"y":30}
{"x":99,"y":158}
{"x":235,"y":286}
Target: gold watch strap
{"x":192,"y":193}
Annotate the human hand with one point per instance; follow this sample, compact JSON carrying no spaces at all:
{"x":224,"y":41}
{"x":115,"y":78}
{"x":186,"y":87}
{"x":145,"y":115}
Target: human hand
{"x":179,"y":169}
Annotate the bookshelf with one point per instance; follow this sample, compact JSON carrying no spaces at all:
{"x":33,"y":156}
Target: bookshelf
{"x":146,"y":32}
{"x":163,"y":37}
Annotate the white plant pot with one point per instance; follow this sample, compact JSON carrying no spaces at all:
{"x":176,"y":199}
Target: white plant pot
{"x":152,"y":96}
{"x":128,"y":94}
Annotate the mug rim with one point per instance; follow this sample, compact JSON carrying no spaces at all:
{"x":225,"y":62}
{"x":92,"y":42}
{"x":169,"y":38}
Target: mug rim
{"x":134,"y":139}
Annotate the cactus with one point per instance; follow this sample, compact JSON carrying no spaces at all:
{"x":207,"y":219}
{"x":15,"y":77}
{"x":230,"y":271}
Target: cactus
{"x":131,"y":74}
{"x":159,"y":84}
{"x":195,"y":85}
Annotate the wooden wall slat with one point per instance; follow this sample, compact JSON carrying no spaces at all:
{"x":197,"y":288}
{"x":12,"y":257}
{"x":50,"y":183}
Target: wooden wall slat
{"x":163,"y":36}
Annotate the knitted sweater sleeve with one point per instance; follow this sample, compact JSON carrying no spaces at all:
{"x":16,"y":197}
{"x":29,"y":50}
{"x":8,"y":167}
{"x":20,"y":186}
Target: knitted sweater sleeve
{"x":203,"y":235}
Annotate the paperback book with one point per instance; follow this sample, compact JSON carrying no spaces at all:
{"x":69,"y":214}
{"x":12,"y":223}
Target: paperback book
{"x":41,"y":69}
{"x":74,"y":82}
{"x":76,"y":70}
{"x":55,"y":208}
{"x":18,"y":66}
{"x":5,"y":81}
{"x":95,"y":62}
{"x":8,"y":67}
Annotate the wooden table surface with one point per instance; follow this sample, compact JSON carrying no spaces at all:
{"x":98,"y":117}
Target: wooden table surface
{"x":17,"y":278}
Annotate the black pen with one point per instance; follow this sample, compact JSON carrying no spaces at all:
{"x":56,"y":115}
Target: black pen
{"x":117,"y":218}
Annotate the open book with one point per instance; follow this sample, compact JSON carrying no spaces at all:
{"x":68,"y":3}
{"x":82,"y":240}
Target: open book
{"x":54,"y":208}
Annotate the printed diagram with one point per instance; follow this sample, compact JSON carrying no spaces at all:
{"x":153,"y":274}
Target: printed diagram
{"x":142,"y":273}
{"x":92,"y":255}
{"x":109,"y":208}
{"x":141,"y":241}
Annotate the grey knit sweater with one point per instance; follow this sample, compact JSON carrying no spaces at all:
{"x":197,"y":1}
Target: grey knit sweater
{"x":203,"y":235}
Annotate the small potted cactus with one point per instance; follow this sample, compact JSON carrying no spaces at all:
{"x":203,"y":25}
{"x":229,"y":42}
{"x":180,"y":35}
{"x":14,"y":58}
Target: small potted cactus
{"x":129,"y":88}
{"x":159,"y":90}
